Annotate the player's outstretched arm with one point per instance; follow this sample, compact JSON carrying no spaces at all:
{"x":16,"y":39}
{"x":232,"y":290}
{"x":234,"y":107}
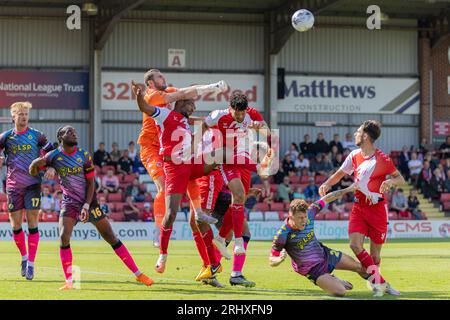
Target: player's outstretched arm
{"x":396,"y":180}
{"x":332,"y":196}
{"x":275,"y":261}
{"x":35,"y":165}
{"x":143,"y":106}
{"x":331,"y":181}
{"x":195,"y":91}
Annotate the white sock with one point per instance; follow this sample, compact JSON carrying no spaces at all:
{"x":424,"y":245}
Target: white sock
{"x":30,"y":264}
{"x":25,"y":257}
{"x":219,"y":238}
{"x":207,"y":88}
{"x":236,"y":273}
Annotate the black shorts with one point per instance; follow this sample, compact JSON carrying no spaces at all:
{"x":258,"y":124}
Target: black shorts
{"x":223,"y":202}
{"x":28,"y":198}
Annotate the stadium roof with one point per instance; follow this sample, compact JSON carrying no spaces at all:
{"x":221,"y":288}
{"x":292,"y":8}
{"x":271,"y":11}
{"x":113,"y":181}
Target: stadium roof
{"x":432,"y":15}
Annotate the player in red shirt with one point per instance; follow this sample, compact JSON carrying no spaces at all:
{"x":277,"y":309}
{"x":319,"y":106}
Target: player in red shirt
{"x":181,"y":168}
{"x":234,"y":123}
{"x":369,"y":216}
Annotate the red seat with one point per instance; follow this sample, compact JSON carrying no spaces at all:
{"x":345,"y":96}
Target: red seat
{"x":319,"y":179}
{"x":304,"y":179}
{"x":4,"y":217}
{"x":261,"y":206}
{"x":3,"y":197}
{"x":128,"y":178}
{"x":118,"y":206}
{"x":445,"y":197}
{"x":320,"y":216}
{"x":4,"y":207}
{"x":405,"y":215}
{"x":123,"y":185}
{"x":277,"y":206}
{"x":331,"y":215}
{"x":344,"y":216}
{"x":50,"y":217}
{"x":392,"y":215}
{"x":273,"y":187}
{"x":282,"y":214}
{"x":106,"y":168}
{"x":295,"y":179}
{"x":115,"y":197}
{"x":446,"y":206}
{"x":117,"y":216}
{"x":148,"y":198}
{"x":139,"y":205}
{"x":112,"y":206}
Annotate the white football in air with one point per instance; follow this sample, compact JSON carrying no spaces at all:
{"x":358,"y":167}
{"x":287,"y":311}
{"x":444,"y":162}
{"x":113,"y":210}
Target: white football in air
{"x":302,"y":20}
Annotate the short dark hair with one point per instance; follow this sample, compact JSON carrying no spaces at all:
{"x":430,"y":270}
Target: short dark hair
{"x":372,"y":128}
{"x":181,"y":103}
{"x":150,"y":74}
{"x":238,"y":101}
{"x":298,"y":205}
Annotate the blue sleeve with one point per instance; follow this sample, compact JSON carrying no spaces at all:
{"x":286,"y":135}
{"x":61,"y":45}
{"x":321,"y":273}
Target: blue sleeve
{"x":279,"y":240}
{"x":315,"y":208}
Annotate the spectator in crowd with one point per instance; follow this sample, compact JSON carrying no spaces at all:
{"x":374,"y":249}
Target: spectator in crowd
{"x":424,"y":146}
{"x":336,"y":142}
{"x":135,"y":190}
{"x":306,"y":173}
{"x":447,"y":165}
{"x":301,"y":162}
{"x":298,"y":194}
{"x":279,"y":176}
{"x":132,"y":151}
{"x":399,"y":202}
{"x":110,"y":182}
{"x":284,"y":191}
{"x":318,"y":166}
{"x":266,"y":193}
{"x":328,"y":165}
{"x":307,"y":147}
{"x":57,"y":197}
{"x":437,"y":184}
{"x":334,"y":152}
{"x":47,"y":201}
{"x":447,"y":181}
{"x":292,"y":152}
{"x":432,"y":160}
{"x":415,"y":167}
{"x":147,"y":215}
{"x":288,"y":165}
{"x":424,"y":179}
{"x":337,"y":163}
{"x":138,"y":167}
{"x":255,"y":178}
{"x":115,"y":154}
{"x":311,"y":191}
{"x":346,"y":182}
{"x":444,"y":149}
{"x":2,"y":174}
{"x":130,"y":211}
{"x":185,"y":206}
{"x":101,"y":156}
{"x":98,"y":182}
{"x":104,"y":206}
{"x":413,"y":205}
{"x":125,"y":165}
{"x":337,"y":206}
{"x":403,"y":162}
{"x":442,"y":171}
{"x":321,"y":146}
{"x":349,"y":142}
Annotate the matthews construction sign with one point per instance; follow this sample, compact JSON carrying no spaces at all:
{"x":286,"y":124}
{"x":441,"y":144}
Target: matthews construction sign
{"x":350,"y":95}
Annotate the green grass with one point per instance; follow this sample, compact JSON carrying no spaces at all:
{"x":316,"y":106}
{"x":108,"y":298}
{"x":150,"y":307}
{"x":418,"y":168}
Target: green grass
{"x":418,"y":268}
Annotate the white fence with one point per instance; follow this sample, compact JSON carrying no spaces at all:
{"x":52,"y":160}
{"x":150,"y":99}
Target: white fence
{"x":260,"y":230}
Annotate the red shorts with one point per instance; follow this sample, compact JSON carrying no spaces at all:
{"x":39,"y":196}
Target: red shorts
{"x":210,"y":187}
{"x":371,"y":221}
{"x":179,"y":175}
{"x":230,"y":172}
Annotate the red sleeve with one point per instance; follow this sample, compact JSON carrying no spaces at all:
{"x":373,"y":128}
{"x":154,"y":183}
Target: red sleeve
{"x":390,"y":167}
{"x":254,"y":114}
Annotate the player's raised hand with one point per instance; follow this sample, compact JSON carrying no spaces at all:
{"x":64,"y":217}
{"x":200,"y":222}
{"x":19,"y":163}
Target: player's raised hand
{"x":136,"y":89}
{"x":323,"y":189}
{"x":386,"y":186}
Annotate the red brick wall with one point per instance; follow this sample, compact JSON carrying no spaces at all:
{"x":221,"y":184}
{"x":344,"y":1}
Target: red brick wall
{"x":441,"y":70}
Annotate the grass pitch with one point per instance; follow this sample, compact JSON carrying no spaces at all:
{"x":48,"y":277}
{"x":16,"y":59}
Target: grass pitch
{"x":418,"y":268}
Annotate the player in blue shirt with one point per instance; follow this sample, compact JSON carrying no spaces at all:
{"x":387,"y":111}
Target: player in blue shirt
{"x":310,"y":257}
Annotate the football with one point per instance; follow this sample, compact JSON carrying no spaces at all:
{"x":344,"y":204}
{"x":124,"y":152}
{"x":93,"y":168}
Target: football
{"x":302,"y":20}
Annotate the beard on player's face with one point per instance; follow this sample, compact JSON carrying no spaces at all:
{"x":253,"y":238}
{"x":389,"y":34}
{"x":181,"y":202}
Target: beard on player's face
{"x":70,"y":143}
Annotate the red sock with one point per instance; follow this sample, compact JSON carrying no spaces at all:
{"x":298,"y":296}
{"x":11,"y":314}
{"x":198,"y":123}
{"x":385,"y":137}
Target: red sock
{"x":164,"y":239}
{"x":125,"y":256}
{"x":227,"y":224}
{"x":66,"y":261}
{"x":237,"y":213}
{"x":218,"y":254}
{"x":367,"y":262}
{"x":33,"y":242}
{"x":210,"y":248}
{"x":201,"y":247}
{"x":19,"y":239}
